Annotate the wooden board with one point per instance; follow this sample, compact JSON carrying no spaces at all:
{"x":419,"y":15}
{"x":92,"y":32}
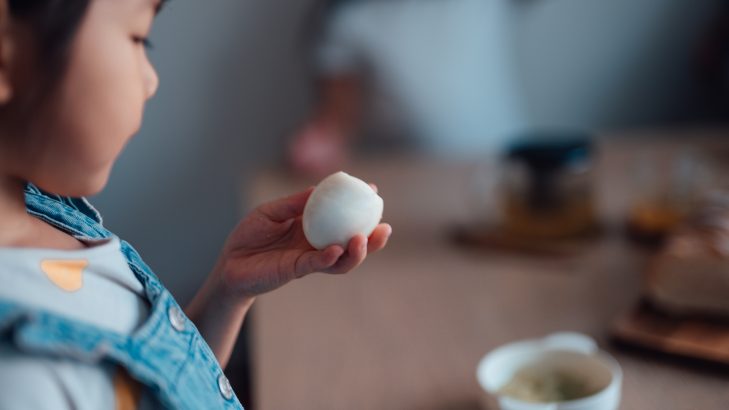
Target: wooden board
{"x":496,"y":239}
{"x":704,"y":339}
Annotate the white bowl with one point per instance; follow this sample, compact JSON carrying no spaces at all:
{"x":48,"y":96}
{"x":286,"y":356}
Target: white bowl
{"x":573,"y":352}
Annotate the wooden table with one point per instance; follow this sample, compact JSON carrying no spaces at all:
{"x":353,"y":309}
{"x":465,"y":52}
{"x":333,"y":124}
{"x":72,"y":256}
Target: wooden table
{"x":407,"y":329}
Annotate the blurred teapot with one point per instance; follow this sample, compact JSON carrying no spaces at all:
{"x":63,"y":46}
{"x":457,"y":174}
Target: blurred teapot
{"x":547,"y":185}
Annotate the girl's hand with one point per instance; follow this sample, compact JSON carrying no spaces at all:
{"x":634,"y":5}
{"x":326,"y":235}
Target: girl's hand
{"x":268,"y":249}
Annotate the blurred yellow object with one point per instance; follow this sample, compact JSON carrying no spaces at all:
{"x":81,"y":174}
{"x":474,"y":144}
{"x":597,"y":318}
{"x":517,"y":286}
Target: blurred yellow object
{"x":666,"y":189}
{"x":653,"y":221}
{"x":575,"y":216}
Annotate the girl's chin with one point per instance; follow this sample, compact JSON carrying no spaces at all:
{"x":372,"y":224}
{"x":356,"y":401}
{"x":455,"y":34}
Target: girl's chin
{"x":94,"y":186}
{"x":88,"y":186}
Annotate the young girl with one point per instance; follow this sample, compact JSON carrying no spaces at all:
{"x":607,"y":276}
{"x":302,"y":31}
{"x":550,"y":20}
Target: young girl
{"x":84,"y":323}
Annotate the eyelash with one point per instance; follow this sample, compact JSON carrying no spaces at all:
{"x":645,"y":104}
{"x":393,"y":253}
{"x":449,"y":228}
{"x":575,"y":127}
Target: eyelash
{"x":144,"y":41}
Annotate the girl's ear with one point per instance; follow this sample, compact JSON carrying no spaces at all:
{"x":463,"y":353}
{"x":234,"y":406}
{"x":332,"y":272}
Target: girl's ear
{"x":6,"y":53}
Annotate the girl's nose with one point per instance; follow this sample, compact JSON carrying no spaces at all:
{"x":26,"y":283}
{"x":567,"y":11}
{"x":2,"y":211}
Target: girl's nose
{"x":151,"y":80}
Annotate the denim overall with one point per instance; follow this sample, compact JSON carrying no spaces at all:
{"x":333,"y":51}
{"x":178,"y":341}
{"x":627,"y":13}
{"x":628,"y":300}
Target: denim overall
{"x":166,"y":354}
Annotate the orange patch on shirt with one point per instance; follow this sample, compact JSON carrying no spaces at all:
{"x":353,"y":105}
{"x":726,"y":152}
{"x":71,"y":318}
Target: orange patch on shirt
{"x":126,"y":390}
{"x":66,"y":274}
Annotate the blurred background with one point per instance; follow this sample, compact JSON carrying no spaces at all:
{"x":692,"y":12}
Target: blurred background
{"x":257,"y":96}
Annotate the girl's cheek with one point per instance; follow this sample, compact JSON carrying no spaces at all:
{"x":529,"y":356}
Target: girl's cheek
{"x":124,"y":92}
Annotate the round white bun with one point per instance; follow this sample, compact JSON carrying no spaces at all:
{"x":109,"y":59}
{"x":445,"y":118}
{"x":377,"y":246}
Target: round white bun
{"x":341,"y":207}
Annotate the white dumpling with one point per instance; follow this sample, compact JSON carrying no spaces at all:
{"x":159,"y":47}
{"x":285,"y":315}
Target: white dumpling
{"x":341,"y":207}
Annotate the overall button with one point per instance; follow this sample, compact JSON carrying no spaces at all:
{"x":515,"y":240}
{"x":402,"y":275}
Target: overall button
{"x":177,"y":319}
{"x":224,"y":385}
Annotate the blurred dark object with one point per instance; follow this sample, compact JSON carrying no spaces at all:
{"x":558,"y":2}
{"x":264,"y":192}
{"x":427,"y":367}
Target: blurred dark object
{"x":548,"y":186}
{"x":712,"y":67}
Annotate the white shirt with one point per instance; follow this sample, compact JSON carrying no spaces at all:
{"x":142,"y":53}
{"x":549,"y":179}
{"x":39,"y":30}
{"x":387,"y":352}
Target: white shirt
{"x":93,"y":285}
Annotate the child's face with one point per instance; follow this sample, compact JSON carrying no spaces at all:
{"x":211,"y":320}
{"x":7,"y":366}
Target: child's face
{"x":97,"y":107}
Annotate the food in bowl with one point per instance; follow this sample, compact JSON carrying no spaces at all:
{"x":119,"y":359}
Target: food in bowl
{"x":537,"y":384}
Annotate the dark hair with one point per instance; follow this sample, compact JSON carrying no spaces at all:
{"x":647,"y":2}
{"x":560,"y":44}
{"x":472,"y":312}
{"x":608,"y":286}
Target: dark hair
{"x":54,"y":24}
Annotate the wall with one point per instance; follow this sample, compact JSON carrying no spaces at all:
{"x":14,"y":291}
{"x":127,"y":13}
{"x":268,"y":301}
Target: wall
{"x":614,"y":64}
